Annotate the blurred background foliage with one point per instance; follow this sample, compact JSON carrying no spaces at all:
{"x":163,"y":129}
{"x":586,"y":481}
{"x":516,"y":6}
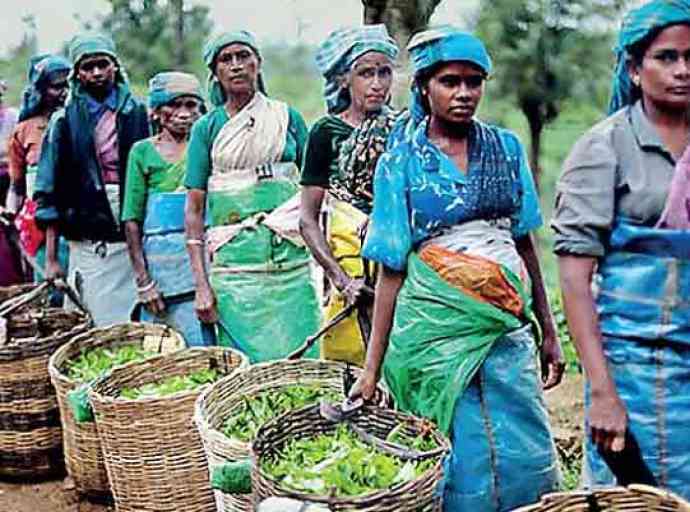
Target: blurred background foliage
{"x":553,"y":64}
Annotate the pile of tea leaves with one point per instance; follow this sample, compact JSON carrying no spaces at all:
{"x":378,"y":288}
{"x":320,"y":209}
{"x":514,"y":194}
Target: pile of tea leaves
{"x":172,"y":385}
{"x":343,"y":464}
{"x":256,"y":410}
{"x":93,"y":363}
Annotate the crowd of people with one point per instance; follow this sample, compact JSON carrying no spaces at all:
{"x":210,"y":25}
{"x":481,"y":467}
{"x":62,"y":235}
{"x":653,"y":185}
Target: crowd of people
{"x":207,"y":210}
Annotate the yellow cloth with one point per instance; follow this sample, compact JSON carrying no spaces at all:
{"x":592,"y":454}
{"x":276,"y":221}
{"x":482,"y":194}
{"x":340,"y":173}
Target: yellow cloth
{"x":344,"y":341}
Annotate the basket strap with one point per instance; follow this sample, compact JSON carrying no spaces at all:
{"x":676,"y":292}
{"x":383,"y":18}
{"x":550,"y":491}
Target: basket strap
{"x":395,"y":449}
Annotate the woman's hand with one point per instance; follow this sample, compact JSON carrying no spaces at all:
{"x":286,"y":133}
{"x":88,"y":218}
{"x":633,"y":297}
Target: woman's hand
{"x":552,"y":361}
{"x":365,"y":386}
{"x":608,"y":419}
{"x":150,"y":296}
{"x":53,"y":270}
{"x":205,"y":305}
{"x":355,"y":289}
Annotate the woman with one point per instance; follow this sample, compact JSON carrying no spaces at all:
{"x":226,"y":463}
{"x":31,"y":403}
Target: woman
{"x":45,"y":93}
{"x":10,"y":261}
{"x":621,"y":221}
{"x":81,"y":178}
{"x":341,"y":155}
{"x":243,"y":155}
{"x":153,"y":210}
{"x":454,"y":205}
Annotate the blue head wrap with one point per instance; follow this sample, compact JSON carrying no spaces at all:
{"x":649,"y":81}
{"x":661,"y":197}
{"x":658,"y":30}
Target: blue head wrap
{"x":340,"y":50}
{"x":165,"y":87}
{"x":211,"y":50}
{"x":637,"y":25}
{"x":42,"y":69}
{"x":444,"y":43}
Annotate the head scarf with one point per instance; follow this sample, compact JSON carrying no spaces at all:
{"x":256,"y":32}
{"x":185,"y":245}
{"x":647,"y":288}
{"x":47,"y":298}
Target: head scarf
{"x":444,"y":43}
{"x":638,"y":24}
{"x":165,"y":87}
{"x":42,"y":69}
{"x":211,"y":50}
{"x":336,"y":55}
{"x":90,"y":43}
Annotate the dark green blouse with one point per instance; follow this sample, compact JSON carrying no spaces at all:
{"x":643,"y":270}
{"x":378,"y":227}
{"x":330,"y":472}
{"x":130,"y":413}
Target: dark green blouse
{"x":322,"y":152}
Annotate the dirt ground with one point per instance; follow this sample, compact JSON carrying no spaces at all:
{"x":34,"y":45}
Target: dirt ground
{"x":564,"y":403}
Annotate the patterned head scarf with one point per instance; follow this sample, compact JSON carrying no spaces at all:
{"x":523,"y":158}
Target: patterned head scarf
{"x":444,"y":43}
{"x":211,"y":50}
{"x":165,"y":87}
{"x":340,"y":50}
{"x":637,"y":25}
{"x":42,"y":69}
{"x":90,"y":43}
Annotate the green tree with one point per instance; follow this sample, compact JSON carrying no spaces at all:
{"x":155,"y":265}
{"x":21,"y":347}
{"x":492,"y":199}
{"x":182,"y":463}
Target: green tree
{"x":549,"y":51}
{"x":153,"y":36}
{"x":13,"y":69}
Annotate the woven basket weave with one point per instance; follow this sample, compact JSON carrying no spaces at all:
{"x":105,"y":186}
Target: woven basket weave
{"x":152,"y":452}
{"x":634,"y":498}
{"x":226,"y":396}
{"x":81,"y":443}
{"x":30,"y":433}
{"x":418,"y":495}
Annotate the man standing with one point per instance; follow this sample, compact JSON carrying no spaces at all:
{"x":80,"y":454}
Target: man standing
{"x":81,"y":177}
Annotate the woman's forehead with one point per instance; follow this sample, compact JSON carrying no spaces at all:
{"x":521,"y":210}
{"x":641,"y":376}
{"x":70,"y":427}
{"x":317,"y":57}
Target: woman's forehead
{"x":235,"y":48}
{"x":372,"y":58}
{"x":462,"y":68}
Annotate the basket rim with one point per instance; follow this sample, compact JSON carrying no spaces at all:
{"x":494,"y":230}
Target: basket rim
{"x":84,"y":322}
{"x":59,"y":357}
{"x":337,"y":500}
{"x":200,"y":407}
{"x":185,"y":353}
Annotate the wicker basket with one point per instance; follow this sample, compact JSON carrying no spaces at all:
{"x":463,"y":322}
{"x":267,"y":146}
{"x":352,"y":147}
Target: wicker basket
{"x":634,"y":498}
{"x":226,"y":396}
{"x":418,"y":495}
{"x":30,"y":433}
{"x":152,"y":451}
{"x":82,"y":446}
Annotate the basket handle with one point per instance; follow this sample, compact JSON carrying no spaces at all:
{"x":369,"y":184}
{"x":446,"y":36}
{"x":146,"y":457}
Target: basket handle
{"x":395,"y":449}
{"x":22,"y":300}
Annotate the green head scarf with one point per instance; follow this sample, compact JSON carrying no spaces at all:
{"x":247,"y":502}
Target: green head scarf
{"x":637,"y":25}
{"x":211,"y":50}
{"x":169,"y":85}
{"x":90,"y":43}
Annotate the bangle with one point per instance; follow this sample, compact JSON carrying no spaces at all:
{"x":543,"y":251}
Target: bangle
{"x":195,"y":241}
{"x":148,"y":287}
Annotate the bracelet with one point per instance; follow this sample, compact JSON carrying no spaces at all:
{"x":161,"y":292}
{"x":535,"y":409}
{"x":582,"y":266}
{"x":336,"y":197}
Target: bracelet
{"x":143,"y":289}
{"x":195,"y":241}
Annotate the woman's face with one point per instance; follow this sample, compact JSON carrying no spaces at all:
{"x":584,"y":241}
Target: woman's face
{"x":55,"y":92}
{"x":664,"y":73}
{"x":178,"y":116}
{"x":454,"y":92}
{"x":97,"y":73}
{"x":237,"y":69}
{"x":370,"y":81}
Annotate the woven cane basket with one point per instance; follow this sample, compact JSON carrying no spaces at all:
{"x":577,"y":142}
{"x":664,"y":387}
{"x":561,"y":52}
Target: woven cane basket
{"x":634,"y":498}
{"x":82,"y":446}
{"x":418,"y":495}
{"x":226,"y":396}
{"x":30,"y":433}
{"x":152,"y":451}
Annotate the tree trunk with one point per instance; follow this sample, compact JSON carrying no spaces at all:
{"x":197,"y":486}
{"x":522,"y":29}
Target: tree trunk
{"x":402,"y":19}
{"x":178,"y":19}
{"x":536,"y":126}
